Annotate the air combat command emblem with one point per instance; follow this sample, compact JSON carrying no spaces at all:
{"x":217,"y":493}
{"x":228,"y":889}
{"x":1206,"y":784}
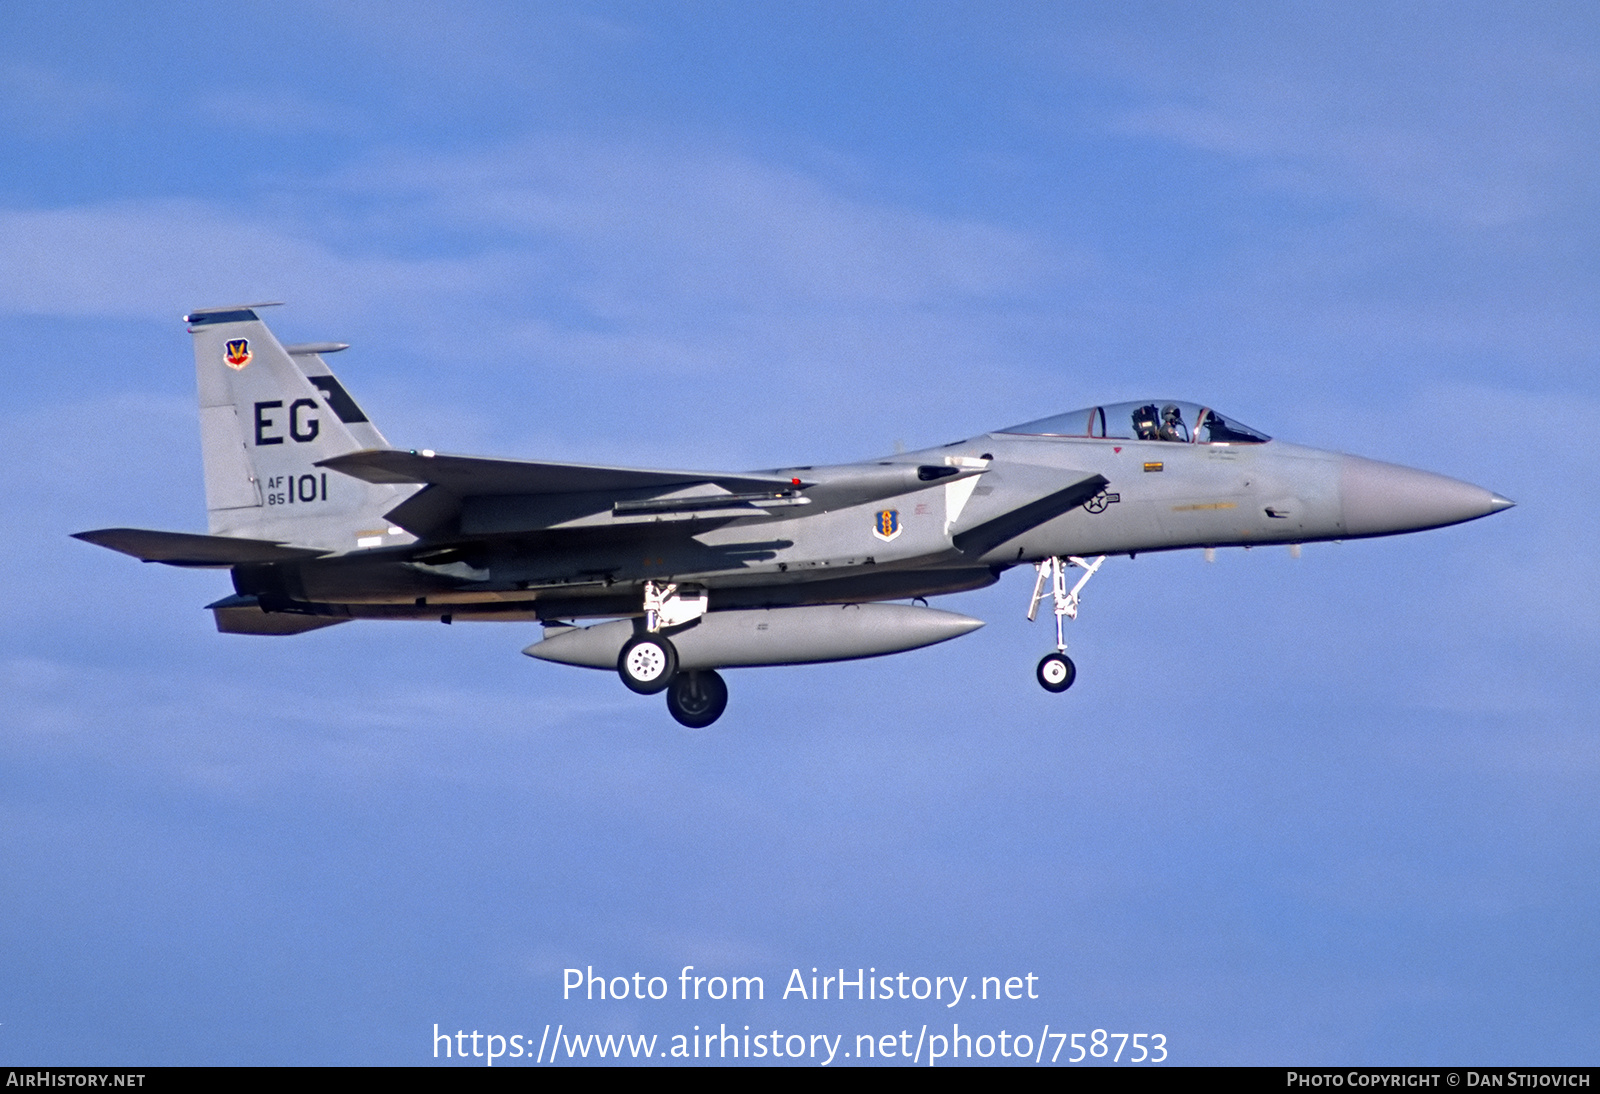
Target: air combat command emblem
{"x":237,"y":352}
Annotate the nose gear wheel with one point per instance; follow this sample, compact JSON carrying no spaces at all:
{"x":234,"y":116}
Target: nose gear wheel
{"x":1056,"y":671}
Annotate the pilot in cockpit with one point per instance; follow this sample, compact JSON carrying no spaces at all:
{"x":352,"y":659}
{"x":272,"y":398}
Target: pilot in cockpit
{"x":1172,"y":427}
{"x":1146,"y":423}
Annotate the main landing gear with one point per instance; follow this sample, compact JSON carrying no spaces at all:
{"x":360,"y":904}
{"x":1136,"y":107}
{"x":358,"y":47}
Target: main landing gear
{"x":697,"y":698}
{"x":1056,"y":671}
{"x":648,"y":662}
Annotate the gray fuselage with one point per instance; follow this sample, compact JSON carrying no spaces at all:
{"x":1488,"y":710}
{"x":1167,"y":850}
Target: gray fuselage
{"x":514,"y":557}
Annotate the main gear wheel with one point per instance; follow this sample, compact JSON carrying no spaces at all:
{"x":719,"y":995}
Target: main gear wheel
{"x":647,"y":663}
{"x":697,"y":698}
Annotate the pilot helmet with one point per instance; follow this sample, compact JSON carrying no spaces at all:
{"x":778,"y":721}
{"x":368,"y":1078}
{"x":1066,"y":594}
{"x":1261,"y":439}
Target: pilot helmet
{"x":1170,"y":413}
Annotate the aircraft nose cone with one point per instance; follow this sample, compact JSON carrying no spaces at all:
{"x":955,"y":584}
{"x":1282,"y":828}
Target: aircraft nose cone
{"x":1384,"y":498}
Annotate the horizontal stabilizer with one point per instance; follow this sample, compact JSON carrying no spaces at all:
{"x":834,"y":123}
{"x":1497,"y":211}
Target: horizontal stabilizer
{"x":469,"y":476}
{"x":188,"y":549}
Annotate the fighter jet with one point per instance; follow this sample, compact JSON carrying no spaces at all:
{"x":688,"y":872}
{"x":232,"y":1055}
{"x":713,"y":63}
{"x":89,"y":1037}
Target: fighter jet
{"x":321,"y":521}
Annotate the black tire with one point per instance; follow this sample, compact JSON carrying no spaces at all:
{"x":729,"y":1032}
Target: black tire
{"x":1056,"y":672}
{"x":697,"y":698}
{"x":647,"y":663}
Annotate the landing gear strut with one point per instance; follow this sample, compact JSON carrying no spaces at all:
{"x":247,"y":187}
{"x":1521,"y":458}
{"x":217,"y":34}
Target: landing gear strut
{"x":1056,"y":671}
{"x":649,"y":661}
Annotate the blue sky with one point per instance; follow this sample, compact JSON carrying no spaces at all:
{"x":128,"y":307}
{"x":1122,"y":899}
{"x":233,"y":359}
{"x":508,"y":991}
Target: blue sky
{"x":1339,"y":809}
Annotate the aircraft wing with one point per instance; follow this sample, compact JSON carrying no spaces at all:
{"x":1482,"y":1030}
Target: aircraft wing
{"x":468,"y":495}
{"x":984,"y":531}
{"x":471,"y":476}
{"x":188,"y":549}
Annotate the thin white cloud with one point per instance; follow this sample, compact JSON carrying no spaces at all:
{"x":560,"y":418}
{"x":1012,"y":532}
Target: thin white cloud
{"x":706,"y":224}
{"x":471,"y":48}
{"x":276,"y":111}
{"x":1450,"y":115}
{"x":40,"y":101}
{"x":617,"y":259}
{"x":624,"y":228}
{"x":140,"y":259}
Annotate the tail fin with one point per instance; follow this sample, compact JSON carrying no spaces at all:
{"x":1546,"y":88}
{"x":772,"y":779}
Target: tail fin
{"x":268,"y":414}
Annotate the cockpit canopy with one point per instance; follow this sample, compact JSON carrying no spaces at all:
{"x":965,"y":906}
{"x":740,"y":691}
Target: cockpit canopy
{"x":1185,"y":423}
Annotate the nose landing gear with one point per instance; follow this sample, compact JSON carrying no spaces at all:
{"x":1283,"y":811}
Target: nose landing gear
{"x":1056,"y":671}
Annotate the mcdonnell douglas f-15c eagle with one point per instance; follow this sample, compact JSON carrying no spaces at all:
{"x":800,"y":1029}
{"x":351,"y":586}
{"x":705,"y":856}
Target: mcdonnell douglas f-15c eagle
{"x":321,"y":521}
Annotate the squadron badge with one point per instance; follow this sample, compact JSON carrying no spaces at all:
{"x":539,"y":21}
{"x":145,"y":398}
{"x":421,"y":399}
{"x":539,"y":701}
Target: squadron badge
{"x":237,"y":352}
{"x":887,"y":524}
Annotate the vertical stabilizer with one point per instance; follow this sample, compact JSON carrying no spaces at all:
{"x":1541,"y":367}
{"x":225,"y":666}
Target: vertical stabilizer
{"x":267,"y":416}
